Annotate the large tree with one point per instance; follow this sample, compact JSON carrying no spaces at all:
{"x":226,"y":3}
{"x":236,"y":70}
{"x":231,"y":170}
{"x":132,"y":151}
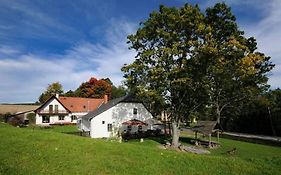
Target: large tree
{"x":234,"y":71}
{"x":94,"y":88}
{"x":164,"y":46}
{"x":192,"y":60}
{"x":52,"y":89}
{"x":118,"y":91}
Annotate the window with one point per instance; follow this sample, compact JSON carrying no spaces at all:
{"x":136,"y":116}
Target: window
{"x":129,"y":128}
{"x":51,"y":108}
{"x":56,"y":108}
{"x":103,"y":122}
{"x":139,"y":128}
{"x":73,"y":117}
{"x":84,"y":107}
{"x":45,"y":119}
{"x":61,"y":117}
{"x":135,"y":111}
{"x":109,"y":127}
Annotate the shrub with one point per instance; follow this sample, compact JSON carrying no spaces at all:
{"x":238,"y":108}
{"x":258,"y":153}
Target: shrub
{"x":31,"y":117}
{"x":15,"y":121}
{"x":5,"y":117}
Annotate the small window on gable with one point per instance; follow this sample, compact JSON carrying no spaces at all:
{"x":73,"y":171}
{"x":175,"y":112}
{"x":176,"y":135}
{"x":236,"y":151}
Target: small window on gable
{"x":56,"y":108}
{"x":135,"y":111}
{"x":109,"y":127}
{"x":139,"y":128}
{"x":51,"y":108}
{"x":103,"y":122}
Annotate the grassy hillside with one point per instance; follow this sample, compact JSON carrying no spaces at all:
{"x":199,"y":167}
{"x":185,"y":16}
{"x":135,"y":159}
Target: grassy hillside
{"x":28,"y":151}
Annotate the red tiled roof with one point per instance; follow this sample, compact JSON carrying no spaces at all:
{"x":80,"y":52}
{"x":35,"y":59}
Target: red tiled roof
{"x":134,"y":122}
{"x":77,"y":104}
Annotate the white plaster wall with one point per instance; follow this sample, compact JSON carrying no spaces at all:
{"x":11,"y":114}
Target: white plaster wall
{"x":53,"y":118}
{"x":116,"y":116}
{"x":38,"y":119}
{"x":83,"y":124}
{"x":53,"y":102}
{"x":78,"y":115}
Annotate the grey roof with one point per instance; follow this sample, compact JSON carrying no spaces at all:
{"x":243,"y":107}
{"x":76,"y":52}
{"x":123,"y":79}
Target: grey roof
{"x":109,"y":105}
{"x":205,"y":127}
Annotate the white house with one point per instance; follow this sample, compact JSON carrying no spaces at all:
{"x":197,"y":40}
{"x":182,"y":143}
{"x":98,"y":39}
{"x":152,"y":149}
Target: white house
{"x":124,"y":113}
{"x":66,"y":110}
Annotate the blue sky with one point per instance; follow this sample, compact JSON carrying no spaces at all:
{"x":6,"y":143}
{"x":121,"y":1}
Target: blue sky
{"x":70,"y":41}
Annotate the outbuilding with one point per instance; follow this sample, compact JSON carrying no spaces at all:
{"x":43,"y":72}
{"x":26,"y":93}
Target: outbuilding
{"x":118,"y":115}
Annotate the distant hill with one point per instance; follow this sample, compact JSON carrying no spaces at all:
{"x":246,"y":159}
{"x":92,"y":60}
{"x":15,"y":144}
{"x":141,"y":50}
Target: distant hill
{"x":16,"y":108}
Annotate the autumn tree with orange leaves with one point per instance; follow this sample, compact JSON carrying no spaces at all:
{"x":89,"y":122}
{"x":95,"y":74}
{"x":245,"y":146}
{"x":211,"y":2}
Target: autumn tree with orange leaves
{"x":94,"y":88}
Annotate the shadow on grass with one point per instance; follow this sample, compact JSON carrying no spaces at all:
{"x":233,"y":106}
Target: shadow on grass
{"x":164,"y":139}
{"x":160,"y":139}
{"x":77,"y":133}
{"x":187,"y":140}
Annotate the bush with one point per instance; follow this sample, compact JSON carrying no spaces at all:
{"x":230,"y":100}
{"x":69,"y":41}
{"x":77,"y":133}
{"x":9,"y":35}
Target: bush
{"x":31,"y":117}
{"x":141,"y":134}
{"x":5,"y":117}
{"x":15,"y":121}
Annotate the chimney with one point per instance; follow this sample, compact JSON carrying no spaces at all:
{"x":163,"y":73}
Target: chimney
{"x":105,"y":98}
{"x":57,"y":95}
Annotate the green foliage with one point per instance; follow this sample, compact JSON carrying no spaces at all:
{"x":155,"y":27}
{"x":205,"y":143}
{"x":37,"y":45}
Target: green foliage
{"x":31,"y":117}
{"x":93,"y":88}
{"x":191,"y":61}
{"x":70,"y":93}
{"x":52,"y":89}
{"x":118,"y":91}
{"x":5,"y":117}
{"x":261,"y":116}
{"x":57,"y":153}
{"x":160,"y":74}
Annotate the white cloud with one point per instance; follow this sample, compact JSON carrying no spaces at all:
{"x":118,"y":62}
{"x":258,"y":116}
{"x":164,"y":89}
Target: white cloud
{"x":25,"y":76}
{"x":5,"y":51}
{"x":267,"y":33}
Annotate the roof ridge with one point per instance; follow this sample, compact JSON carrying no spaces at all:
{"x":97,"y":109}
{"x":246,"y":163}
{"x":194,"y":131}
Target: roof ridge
{"x":82,"y":98}
{"x":108,"y":105}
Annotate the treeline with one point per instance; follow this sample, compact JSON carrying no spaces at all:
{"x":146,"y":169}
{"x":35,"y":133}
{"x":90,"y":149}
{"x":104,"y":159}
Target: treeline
{"x":94,"y":88}
{"x":261,"y":116}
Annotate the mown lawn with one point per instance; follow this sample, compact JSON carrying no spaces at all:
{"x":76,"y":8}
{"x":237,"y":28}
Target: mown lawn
{"x":47,"y":151}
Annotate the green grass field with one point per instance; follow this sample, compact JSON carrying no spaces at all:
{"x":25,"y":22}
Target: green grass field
{"x":51,"y":151}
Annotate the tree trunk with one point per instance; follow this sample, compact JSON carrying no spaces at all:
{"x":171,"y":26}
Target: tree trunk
{"x":218,"y":113}
{"x":271,"y":124}
{"x":175,"y":134}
